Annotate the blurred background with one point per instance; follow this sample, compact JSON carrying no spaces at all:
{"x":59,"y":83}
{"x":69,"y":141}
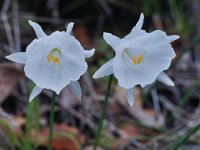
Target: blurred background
{"x":160,"y":116}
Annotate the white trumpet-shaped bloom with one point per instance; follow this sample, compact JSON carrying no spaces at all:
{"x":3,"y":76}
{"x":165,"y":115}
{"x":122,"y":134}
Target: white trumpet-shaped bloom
{"x":140,"y":58}
{"x":53,"y":61}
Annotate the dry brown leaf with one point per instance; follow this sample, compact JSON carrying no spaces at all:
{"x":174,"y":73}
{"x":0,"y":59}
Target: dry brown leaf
{"x":10,"y":74}
{"x":130,"y":129}
{"x":80,"y":33}
{"x":20,"y":121}
{"x":146,"y":116}
{"x":13,"y":126}
{"x":61,"y":142}
{"x":135,"y":130}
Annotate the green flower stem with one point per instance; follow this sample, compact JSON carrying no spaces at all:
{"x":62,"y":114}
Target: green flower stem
{"x":104,"y":109}
{"x":53,"y":100}
{"x":184,"y":139}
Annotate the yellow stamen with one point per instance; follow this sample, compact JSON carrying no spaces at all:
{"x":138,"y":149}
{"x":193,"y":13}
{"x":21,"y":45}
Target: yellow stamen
{"x":134,"y":60}
{"x":56,"y":60}
{"x":52,"y":56}
{"x":49,"y":58}
{"x":140,"y":58}
{"x":137,"y":60}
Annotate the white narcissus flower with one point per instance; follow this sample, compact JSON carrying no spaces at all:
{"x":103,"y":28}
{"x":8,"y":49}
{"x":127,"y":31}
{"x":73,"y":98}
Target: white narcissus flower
{"x":53,"y":61}
{"x":140,"y":58}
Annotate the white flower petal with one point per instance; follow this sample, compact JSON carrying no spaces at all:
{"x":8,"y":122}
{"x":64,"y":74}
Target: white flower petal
{"x":130,"y":96}
{"x":112,"y":40}
{"x":105,"y":70}
{"x":37,"y":28}
{"x":89,"y":53}
{"x":73,"y":64}
{"x":126,"y":73}
{"x":140,"y":22}
{"x":19,"y":57}
{"x":157,"y":55}
{"x":159,"y":52}
{"x":172,"y":38}
{"x":163,"y":77}
{"x":35,"y":92}
{"x":50,"y":76}
{"x":136,"y":31}
{"x":69,"y":27}
{"x":76,"y":89}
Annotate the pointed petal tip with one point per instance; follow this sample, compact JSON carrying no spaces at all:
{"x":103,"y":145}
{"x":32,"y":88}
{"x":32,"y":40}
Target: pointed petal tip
{"x":69,"y":27}
{"x":7,"y":57}
{"x":18,"y":57}
{"x":57,"y":92}
{"x":105,"y":70}
{"x":105,"y":34}
{"x":171,"y":84}
{"x":30,"y":99}
{"x":111,"y":39}
{"x":163,"y":77}
{"x":175,"y":37}
{"x":140,"y":22}
{"x":30,"y":21}
{"x":130,"y":103}
{"x":37,"y":28}
{"x":172,"y":38}
{"x":89,"y":53}
{"x":75,"y":88}
{"x":71,"y":24}
{"x":35,"y":92}
{"x":142,"y":15}
{"x":92,"y":51}
{"x":95,"y":76}
{"x":130,"y":96}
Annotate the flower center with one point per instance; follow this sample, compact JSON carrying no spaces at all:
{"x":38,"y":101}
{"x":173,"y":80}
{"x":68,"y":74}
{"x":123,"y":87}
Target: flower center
{"x":53,"y":56}
{"x":137,"y":60}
